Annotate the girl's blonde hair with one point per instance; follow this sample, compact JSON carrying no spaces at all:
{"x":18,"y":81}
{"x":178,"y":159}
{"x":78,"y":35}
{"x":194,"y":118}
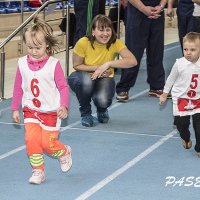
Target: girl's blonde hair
{"x":38,"y":25}
{"x":102,"y":21}
{"x":191,"y":37}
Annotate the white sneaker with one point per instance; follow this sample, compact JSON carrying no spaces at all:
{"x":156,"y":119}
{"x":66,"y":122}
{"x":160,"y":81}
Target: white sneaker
{"x":37,"y":177}
{"x":66,"y":160}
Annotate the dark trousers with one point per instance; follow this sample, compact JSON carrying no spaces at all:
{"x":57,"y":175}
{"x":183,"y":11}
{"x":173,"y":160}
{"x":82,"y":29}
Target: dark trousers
{"x":183,"y":123}
{"x":142,"y":33}
{"x":80,"y":9}
{"x":102,"y":4}
{"x":101,"y":91}
{"x":196,"y":22}
{"x":185,"y":19}
{"x":113,"y":15}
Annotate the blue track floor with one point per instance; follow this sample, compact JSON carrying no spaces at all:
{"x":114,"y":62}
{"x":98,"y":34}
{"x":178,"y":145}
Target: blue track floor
{"x":136,"y":156}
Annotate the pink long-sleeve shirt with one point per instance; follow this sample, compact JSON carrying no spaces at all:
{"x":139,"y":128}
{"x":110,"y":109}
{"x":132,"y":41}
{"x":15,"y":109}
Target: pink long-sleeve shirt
{"x":36,"y":65}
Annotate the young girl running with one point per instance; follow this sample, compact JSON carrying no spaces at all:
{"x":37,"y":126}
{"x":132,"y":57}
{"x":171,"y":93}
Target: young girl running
{"x":184,"y":80}
{"x":41,"y":87}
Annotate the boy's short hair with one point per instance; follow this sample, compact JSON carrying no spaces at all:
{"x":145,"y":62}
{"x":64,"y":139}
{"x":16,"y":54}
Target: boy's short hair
{"x":191,"y":37}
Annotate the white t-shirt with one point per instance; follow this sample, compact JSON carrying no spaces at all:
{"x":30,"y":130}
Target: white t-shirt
{"x":184,"y":80}
{"x":196,"y":12}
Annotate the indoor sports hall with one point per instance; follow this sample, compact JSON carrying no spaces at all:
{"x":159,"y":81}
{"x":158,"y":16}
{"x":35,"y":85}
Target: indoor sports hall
{"x":137,"y":155}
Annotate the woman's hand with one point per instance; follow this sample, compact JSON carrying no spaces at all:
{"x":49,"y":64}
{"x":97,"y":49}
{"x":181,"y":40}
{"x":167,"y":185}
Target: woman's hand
{"x":62,"y":112}
{"x":106,"y":73}
{"x":16,"y":116}
{"x":101,"y":71}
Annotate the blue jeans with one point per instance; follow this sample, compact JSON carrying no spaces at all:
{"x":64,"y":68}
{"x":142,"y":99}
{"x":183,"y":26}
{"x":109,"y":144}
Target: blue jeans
{"x":101,"y":91}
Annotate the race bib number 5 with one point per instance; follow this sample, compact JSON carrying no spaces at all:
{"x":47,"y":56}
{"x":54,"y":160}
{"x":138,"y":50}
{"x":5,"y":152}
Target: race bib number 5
{"x":193,"y":85}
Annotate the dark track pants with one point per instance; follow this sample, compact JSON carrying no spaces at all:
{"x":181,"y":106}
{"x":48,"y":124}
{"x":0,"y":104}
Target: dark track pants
{"x":142,"y":33}
{"x":183,"y":123}
{"x":80,"y":8}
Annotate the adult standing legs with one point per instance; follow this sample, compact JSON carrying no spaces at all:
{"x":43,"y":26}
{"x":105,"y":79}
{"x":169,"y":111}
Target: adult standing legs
{"x":155,"y":51}
{"x":81,"y":14}
{"x":141,"y":33}
{"x":136,"y":39}
{"x":185,"y":25}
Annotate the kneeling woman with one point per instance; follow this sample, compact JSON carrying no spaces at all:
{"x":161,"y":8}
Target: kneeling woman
{"x":94,"y":59}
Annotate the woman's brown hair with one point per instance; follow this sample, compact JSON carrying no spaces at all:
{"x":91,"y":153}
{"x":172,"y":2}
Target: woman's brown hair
{"x":102,"y":21}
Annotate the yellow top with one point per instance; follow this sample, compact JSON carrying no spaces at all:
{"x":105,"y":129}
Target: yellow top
{"x":100,"y":54}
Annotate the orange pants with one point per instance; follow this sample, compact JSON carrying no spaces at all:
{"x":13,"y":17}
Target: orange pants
{"x":38,"y":140}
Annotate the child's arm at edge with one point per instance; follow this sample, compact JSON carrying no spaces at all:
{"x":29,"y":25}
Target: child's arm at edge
{"x":64,"y":91}
{"x":17,"y":97}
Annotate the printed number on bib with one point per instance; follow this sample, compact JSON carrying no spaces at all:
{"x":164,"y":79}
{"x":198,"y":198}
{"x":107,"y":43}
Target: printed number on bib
{"x":194,"y":83}
{"x":35,"y":91}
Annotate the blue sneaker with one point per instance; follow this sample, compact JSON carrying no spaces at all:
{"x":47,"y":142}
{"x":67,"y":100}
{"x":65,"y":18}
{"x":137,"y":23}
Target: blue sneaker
{"x":87,"y":120}
{"x":103,"y":117}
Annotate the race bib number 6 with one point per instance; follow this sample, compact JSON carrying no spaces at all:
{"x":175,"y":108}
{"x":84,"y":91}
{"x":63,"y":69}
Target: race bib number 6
{"x":35,"y":91}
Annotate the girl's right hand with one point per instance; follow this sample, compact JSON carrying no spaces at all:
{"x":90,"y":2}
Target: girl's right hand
{"x":16,"y":116}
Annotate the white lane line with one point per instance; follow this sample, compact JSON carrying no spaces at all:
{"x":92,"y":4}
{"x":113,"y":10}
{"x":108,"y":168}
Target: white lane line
{"x":171,"y":48}
{"x":69,"y":126}
{"x":14,"y":151}
{"x":104,"y":131}
{"x":11,"y":123}
{"x":124,"y":168}
{"x":168,"y":49}
{"x":116,"y":104}
{"x":119,"y":132}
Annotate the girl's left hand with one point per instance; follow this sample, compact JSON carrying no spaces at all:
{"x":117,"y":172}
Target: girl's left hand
{"x":100,"y":70}
{"x":62,"y":112}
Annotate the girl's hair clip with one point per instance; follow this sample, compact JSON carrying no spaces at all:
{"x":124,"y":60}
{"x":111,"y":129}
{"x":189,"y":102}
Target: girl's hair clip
{"x":33,"y":24}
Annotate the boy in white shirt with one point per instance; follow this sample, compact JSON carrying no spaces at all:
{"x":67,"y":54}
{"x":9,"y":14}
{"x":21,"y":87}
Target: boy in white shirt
{"x":184,"y":83}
